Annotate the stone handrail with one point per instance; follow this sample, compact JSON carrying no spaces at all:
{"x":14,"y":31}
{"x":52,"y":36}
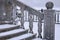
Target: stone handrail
{"x":26,"y":7}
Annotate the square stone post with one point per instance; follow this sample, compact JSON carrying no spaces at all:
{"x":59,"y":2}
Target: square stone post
{"x":49,"y":24}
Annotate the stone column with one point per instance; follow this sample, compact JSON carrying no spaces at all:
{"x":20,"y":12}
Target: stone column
{"x":49,"y":22}
{"x":22,"y":17}
{"x":39,"y":27}
{"x":33,"y":18}
{"x":30,"y":22}
{"x":58,"y":17}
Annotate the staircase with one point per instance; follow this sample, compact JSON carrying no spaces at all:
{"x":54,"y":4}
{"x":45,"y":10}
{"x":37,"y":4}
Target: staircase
{"x":14,"y":32}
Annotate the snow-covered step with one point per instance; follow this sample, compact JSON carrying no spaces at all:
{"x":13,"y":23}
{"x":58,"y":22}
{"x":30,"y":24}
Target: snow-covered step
{"x":12,"y":33}
{"x":27,"y":36}
{"x":38,"y":39}
{"x":7,"y":27}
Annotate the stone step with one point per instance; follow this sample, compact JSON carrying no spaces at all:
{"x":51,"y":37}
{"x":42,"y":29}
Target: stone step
{"x":8,"y":27}
{"x":12,"y":33}
{"x":38,"y":39}
{"x":27,"y":36}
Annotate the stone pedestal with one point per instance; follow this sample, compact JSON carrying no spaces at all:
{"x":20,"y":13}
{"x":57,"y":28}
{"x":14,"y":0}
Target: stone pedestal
{"x":49,"y":24}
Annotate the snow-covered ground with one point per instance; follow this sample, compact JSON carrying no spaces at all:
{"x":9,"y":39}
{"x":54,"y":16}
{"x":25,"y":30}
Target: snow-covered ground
{"x":57,"y":32}
{"x":35,"y":29}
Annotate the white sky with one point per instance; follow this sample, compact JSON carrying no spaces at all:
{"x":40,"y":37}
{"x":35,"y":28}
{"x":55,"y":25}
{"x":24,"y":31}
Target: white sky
{"x":41,"y":3}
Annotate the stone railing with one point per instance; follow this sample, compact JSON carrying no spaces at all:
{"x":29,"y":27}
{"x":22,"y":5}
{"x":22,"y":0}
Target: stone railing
{"x":30,"y":12}
{"x":58,"y":16}
{"x":49,"y":19}
{"x":49,"y":16}
{"x":31,"y":15}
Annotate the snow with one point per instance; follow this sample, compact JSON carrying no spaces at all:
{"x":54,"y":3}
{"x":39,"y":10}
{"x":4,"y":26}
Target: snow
{"x":7,"y":26}
{"x":22,"y":36}
{"x":35,"y":29}
{"x":11,"y":32}
{"x":57,"y":32}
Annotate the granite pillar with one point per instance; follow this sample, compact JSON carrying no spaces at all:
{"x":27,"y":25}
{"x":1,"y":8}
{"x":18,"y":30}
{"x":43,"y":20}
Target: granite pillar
{"x":49,"y":24}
